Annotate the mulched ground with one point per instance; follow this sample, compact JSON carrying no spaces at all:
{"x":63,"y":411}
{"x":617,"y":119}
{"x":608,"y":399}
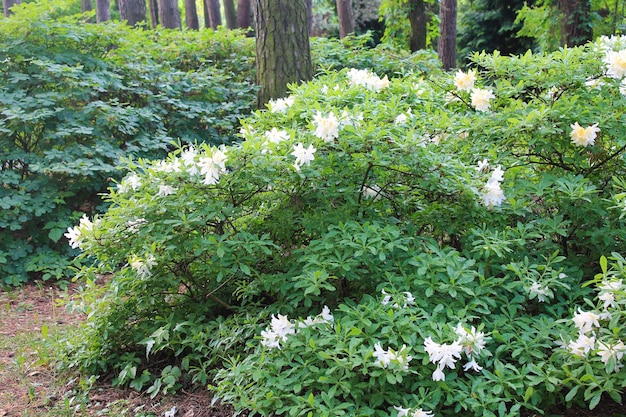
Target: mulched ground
{"x":33,"y":389}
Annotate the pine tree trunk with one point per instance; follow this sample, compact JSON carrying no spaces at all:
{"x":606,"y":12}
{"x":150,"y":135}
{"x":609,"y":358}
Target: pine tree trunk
{"x":7,"y":4}
{"x":230,"y":13}
{"x":243,"y":14}
{"x":103,"y":11}
{"x":346,"y":18}
{"x":575,"y":23}
{"x":133,"y":11}
{"x":207,"y":19}
{"x":86,"y":6}
{"x":283,"y":52}
{"x":309,"y":15}
{"x":191,"y":15}
{"x":154,"y":13}
{"x":417,"y":18}
{"x":169,"y":15}
{"x":215,"y":14}
{"x":447,"y":34}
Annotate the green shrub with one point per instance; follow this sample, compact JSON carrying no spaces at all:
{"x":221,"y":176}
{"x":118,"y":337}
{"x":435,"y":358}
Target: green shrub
{"x":76,"y":99}
{"x":373,"y":233}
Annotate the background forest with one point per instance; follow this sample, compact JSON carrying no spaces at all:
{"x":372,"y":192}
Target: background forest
{"x":442,"y":183}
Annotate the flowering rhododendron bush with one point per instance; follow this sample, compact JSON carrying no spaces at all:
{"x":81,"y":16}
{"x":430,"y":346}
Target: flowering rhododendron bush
{"x":436,"y":244}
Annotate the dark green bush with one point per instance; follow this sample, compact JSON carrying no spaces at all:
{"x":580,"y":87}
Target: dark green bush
{"x":76,"y":99}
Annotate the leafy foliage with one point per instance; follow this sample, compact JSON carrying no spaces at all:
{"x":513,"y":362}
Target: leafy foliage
{"x":77,"y":99}
{"x":459,"y":211}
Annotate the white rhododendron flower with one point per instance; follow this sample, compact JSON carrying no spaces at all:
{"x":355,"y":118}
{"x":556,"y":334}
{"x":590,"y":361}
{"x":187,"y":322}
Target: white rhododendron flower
{"x":326,"y":127}
{"x":276,"y":136}
{"x":443,"y":355}
{"x":606,"y":352}
{"x":481,"y":98}
{"x":165,"y":190}
{"x":465,"y":81}
{"x":401,"y":119}
{"x":142,"y":266}
{"x":616,"y":63}
{"x":493,"y":196}
{"x":582,"y":345}
{"x":212,"y":167}
{"x":538,"y":290}
{"x":482,"y":166}
{"x":131,"y":182}
{"x":281,"y":105}
{"x":585,"y":321}
{"x":76,"y":234}
{"x":584,"y":136}
{"x":385,"y":357}
{"x":406,"y":412}
{"x":303,"y":155}
{"x":367,"y":79}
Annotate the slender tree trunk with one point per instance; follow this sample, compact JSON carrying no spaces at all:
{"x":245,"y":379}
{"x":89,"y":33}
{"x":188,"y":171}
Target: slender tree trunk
{"x":230,"y":13}
{"x":191,"y":15}
{"x":575,"y":23}
{"x":7,"y":4}
{"x":86,"y":6}
{"x":154,"y":13}
{"x":447,"y":33}
{"x":207,"y":19}
{"x":417,"y":18}
{"x":243,"y":14}
{"x":283,"y":52}
{"x":346,"y":18}
{"x":215,"y":14}
{"x":169,"y":15}
{"x":103,"y":11}
{"x":133,"y":11}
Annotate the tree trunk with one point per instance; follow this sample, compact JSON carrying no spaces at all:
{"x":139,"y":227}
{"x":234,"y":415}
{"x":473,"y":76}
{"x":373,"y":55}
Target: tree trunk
{"x":86,"y":6}
{"x":133,"y":11}
{"x":154,"y":13}
{"x":169,"y":15}
{"x":207,"y":19}
{"x":283,"y":52}
{"x":230,"y":13}
{"x":575,"y":23}
{"x":346,"y":18}
{"x":243,"y":14}
{"x":417,"y":18}
{"x":309,"y":15}
{"x":7,"y":4}
{"x":215,"y":14}
{"x":103,"y":11}
{"x":447,"y":34}
{"x":191,"y":15}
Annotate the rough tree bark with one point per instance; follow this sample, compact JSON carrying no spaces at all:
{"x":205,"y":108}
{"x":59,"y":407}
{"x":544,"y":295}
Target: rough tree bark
{"x":446,"y":46}
{"x":283,"y":52}
{"x":215,"y":14}
{"x":230,"y":14}
{"x":309,"y":14}
{"x":191,"y":15}
{"x":7,"y":4}
{"x":86,"y":6}
{"x":417,"y":18}
{"x":133,"y":11}
{"x":243,"y":14}
{"x":154,"y":13}
{"x":103,"y":11}
{"x":346,"y":18}
{"x":169,"y":15}
{"x":575,"y":22}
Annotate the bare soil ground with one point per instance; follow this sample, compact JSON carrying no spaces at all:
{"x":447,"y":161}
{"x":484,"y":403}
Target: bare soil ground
{"x":31,"y":387}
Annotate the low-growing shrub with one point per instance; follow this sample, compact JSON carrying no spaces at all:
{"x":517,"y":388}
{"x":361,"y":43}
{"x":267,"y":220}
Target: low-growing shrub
{"x":398,"y":246}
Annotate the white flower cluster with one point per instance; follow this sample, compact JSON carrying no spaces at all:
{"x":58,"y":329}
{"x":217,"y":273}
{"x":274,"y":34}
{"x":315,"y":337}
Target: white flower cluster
{"x":493,"y":195}
{"x":406,"y":298}
{"x":584,"y":136}
{"x":367,"y":79}
{"x":326,"y":127}
{"x":471,"y":342}
{"x":142,"y":266}
{"x":281,"y":105}
{"x":75,"y":235}
{"x":408,"y":412}
{"x":385,"y":357}
{"x":588,"y":321}
{"x":280,"y":327}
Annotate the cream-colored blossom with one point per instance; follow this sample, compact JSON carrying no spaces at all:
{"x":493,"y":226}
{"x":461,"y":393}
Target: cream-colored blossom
{"x":584,"y":136}
{"x":616,"y":63}
{"x":465,"y":81}
{"x":303,"y":155}
{"x":481,"y":98}
{"x":326,"y":127}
